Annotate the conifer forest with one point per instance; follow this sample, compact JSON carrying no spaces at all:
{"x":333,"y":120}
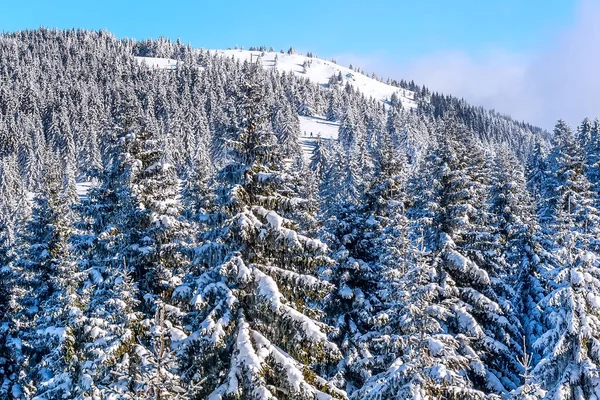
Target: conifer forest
{"x":170,"y":233}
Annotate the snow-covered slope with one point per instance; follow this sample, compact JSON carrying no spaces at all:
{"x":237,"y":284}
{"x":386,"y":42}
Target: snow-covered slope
{"x":312,"y":128}
{"x":319,"y":71}
{"x":158,"y":63}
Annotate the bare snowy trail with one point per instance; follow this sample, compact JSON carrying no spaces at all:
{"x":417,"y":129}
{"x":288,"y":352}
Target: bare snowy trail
{"x":313,"y":128}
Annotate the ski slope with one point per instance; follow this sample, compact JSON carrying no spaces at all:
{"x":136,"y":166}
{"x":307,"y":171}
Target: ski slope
{"x":319,"y":71}
{"x":158,"y":63}
{"x":312,"y":128}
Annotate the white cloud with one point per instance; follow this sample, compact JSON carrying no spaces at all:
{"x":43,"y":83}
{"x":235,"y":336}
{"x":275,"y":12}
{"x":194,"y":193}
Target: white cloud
{"x":560,"y":80}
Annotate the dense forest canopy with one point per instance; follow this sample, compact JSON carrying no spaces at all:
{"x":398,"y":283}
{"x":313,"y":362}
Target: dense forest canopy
{"x":441,"y":251}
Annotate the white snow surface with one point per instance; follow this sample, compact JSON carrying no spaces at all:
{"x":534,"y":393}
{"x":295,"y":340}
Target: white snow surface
{"x":82,"y":189}
{"x":319,"y":71}
{"x":275,"y":221}
{"x":157,"y":62}
{"x":312,"y":128}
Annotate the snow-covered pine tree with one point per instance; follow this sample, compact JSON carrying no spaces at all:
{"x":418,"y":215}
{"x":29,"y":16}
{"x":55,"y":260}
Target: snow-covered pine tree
{"x":333,"y":104}
{"x":344,"y":221}
{"x":536,"y":174}
{"x":372,"y":243}
{"x":155,"y":231}
{"x":471,"y":311}
{"x":518,"y":243}
{"x":286,"y":126}
{"x":156,"y":240}
{"x":112,"y":321}
{"x":159,"y":375}
{"x":255,"y":334}
{"x":588,"y":135}
{"x":195,"y":191}
{"x":137,"y":259}
{"x":15,"y":208}
{"x":418,"y":356}
{"x":422,"y":360}
{"x":569,"y":345}
{"x":351,"y":131}
{"x":14,"y":211}
{"x":569,"y":198}
{"x":8,"y":366}
{"x":319,"y":158}
{"x":48,"y":297}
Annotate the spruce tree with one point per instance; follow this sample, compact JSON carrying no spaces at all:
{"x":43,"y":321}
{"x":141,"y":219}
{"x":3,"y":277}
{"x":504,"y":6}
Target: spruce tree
{"x":473,"y":312}
{"x":373,"y":244}
{"x":255,"y":331}
{"x":519,"y":244}
{"x":567,"y":346}
{"x":138,"y":259}
{"x":48,"y":297}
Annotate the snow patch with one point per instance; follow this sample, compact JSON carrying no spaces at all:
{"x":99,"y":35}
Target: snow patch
{"x":313,"y":129}
{"x":158,"y":63}
{"x":275,"y":221}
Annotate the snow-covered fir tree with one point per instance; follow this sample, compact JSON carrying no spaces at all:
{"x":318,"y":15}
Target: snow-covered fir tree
{"x":473,"y":308}
{"x":255,"y":331}
{"x":567,"y":367}
{"x":46,"y":300}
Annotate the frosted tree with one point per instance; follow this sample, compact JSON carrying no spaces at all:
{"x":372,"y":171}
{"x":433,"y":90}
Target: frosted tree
{"x":154,"y":229}
{"x":138,"y":259}
{"x":419,"y":352}
{"x":254,"y":333}
{"x":195,"y":191}
{"x":287,"y":127}
{"x":519,"y":244}
{"x":454,"y":229}
{"x":333,"y":105}
{"x":158,"y":241}
{"x":423,"y":361}
{"x":587,"y":138}
{"x":48,"y":298}
{"x":371,"y":239}
{"x":158,"y":376}
{"x":344,"y":222}
{"x":108,"y":336}
{"x":529,"y":390}
{"x":319,"y":158}
{"x":569,"y":208}
{"x":14,"y":207}
{"x":567,"y":368}
{"x":536,"y":173}
{"x":112,"y":319}
{"x":351,"y":131}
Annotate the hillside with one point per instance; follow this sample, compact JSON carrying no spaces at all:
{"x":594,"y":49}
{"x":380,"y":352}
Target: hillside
{"x":319,"y":71}
{"x":171,"y":226}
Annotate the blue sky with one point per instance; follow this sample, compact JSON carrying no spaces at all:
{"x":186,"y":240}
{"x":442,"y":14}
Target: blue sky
{"x":399,"y":29}
{"x":533,"y":59}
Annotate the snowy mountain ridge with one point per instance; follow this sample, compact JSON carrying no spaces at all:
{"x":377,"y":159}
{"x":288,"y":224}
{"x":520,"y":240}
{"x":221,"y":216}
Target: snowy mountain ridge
{"x":319,"y":71}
